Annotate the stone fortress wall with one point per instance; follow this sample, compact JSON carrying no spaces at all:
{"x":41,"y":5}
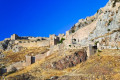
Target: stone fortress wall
{"x":37,"y":41}
{"x":30,"y":41}
{"x":80,"y":34}
{"x":34,"y":43}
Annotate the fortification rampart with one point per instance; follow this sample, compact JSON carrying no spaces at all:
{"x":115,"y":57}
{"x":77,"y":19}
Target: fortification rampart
{"x":80,"y":34}
{"x":34,"y":43}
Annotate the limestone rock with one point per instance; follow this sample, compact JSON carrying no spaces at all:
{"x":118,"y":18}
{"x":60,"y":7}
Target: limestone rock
{"x":70,"y":61}
{"x":16,"y":48}
{"x":9,"y":47}
{"x":4,"y":44}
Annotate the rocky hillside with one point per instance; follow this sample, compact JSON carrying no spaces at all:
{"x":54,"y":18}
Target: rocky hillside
{"x":69,"y":62}
{"x":101,"y":66}
{"x":107,"y":26}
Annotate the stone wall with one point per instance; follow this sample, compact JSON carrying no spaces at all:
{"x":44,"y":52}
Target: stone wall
{"x":14,"y":37}
{"x":28,"y":60}
{"x":38,"y":38}
{"x":80,"y":34}
{"x":54,"y":40}
{"x":40,"y":56}
{"x":91,"y":50}
{"x":34,"y":43}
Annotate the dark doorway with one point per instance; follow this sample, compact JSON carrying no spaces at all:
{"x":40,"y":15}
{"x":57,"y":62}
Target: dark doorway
{"x":32,"y":59}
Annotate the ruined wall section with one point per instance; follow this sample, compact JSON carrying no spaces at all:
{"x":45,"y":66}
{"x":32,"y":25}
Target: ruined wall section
{"x":81,"y":34}
{"x":34,"y":43}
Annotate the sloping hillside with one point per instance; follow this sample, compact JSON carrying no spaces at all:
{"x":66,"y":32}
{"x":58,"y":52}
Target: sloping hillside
{"x":11,"y":57}
{"x":102,"y":65}
{"x":41,"y":70}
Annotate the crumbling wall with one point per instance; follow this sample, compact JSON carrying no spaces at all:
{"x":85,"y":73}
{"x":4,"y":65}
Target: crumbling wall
{"x":34,"y":43}
{"x":91,"y":50}
{"x":14,"y":37}
{"x":54,"y":40}
{"x":80,"y":34}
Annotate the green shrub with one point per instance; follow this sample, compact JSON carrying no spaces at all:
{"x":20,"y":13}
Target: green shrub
{"x":98,"y":54}
{"x":117,"y":48}
{"x":69,"y":45}
{"x":74,"y":39}
{"x":108,"y":30}
{"x":99,"y":51}
{"x":86,"y":23}
{"x":96,"y":43}
{"x":20,"y":41}
{"x":62,"y":39}
{"x":73,"y":31}
{"x":109,"y":22}
{"x":97,"y":10}
{"x":38,"y":39}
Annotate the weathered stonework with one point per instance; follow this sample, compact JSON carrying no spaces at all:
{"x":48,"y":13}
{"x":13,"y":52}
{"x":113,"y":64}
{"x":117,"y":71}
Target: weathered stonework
{"x":14,"y":37}
{"x":54,"y":40}
{"x":91,"y":50}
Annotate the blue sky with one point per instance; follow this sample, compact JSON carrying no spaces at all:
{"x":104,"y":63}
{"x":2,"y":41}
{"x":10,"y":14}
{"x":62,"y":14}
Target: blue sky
{"x":43,"y":17}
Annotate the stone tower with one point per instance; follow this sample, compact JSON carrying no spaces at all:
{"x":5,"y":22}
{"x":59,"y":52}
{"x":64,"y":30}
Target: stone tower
{"x":53,"y":40}
{"x":14,"y":37}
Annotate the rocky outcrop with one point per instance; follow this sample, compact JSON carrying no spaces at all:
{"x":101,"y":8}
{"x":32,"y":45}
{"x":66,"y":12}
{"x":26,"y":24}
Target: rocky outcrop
{"x":70,"y":61}
{"x":10,"y":45}
{"x":16,"y":48}
{"x":4,"y":44}
{"x":107,"y":26}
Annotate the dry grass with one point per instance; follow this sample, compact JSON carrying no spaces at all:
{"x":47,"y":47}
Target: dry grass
{"x":36,"y":71}
{"x":107,"y":64}
{"x":20,"y":56}
{"x":39,"y":68}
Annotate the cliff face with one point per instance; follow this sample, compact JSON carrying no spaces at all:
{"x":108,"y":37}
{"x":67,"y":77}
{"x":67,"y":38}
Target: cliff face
{"x":108,"y":26}
{"x":104,"y":27}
